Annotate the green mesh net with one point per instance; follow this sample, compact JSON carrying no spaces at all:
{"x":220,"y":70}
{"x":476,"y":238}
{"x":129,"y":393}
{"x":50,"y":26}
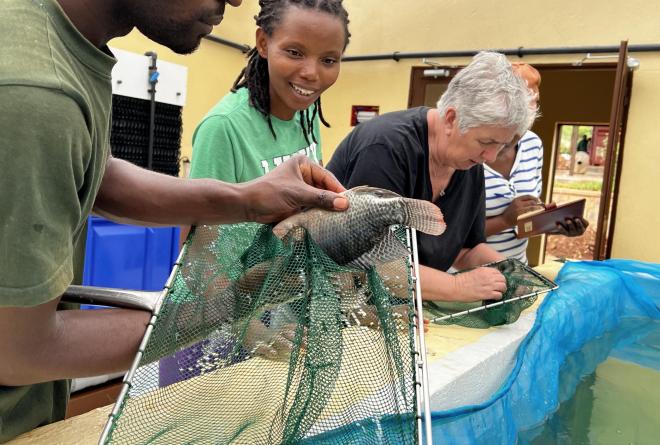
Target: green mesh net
{"x":261,"y":340}
{"x":523,"y":286}
{"x":268,"y":341}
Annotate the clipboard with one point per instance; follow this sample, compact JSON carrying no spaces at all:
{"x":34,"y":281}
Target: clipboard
{"x":545,"y":220}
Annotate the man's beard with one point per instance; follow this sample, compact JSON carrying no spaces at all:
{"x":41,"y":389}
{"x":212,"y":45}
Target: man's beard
{"x":177,"y":37}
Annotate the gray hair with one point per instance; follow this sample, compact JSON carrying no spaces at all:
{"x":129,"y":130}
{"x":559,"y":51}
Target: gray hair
{"x":488,"y":93}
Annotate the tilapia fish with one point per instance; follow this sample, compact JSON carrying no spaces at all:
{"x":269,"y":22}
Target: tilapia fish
{"x":360,"y":236}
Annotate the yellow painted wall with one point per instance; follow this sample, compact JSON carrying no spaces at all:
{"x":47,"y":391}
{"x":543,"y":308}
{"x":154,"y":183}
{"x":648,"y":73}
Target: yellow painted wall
{"x":445,"y":25}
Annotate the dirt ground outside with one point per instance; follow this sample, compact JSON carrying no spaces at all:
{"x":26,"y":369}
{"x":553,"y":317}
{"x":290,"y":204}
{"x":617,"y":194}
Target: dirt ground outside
{"x":581,"y":247}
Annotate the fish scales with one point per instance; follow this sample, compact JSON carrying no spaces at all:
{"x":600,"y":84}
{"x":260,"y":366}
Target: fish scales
{"x":361,"y":235}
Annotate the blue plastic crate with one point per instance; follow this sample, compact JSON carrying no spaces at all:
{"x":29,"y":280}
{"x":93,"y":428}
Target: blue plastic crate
{"x":129,"y":257}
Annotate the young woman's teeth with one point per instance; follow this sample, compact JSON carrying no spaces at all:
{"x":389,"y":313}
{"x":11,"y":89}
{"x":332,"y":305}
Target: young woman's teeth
{"x":302,"y":91}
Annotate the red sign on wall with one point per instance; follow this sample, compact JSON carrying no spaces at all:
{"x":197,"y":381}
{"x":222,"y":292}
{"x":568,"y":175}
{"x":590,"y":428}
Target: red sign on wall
{"x":363,"y":113}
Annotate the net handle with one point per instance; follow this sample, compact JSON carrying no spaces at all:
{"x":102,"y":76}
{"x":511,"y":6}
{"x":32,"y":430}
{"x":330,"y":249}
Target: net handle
{"x":105,"y":296}
{"x":421,"y":365}
{"x":128,"y":378}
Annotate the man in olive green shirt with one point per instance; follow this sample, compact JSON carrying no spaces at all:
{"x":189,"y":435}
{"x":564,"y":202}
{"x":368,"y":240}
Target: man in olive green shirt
{"x":55,"y":101}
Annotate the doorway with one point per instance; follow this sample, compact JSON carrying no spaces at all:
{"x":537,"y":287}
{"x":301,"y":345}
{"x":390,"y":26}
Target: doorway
{"x":580,"y":153}
{"x":570,"y":96}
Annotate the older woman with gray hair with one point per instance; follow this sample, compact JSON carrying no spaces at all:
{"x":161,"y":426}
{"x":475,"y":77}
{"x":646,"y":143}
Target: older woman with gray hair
{"x":437,"y":154}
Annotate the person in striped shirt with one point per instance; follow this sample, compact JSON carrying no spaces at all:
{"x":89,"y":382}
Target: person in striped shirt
{"x":514,"y":183}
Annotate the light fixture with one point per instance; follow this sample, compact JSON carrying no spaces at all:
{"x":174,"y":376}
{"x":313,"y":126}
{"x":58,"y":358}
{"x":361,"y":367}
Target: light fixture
{"x":436,"y":72}
{"x":632,"y":62}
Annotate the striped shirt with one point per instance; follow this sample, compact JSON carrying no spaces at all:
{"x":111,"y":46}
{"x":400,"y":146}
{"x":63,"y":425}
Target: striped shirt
{"x":525,"y":179}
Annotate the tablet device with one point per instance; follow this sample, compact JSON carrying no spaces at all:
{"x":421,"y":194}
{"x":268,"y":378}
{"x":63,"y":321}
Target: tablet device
{"x":545,"y":220}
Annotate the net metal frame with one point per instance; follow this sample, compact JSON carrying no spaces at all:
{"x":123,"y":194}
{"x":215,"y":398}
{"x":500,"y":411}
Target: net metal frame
{"x":423,"y":396}
{"x":549,"y":287}
{"x":421,"y":382}
{"x":419,"y":358}
{"x":128,"y":377}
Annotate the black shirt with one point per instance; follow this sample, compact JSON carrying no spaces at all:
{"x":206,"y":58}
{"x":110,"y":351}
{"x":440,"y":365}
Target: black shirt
{"x":392,"y":152}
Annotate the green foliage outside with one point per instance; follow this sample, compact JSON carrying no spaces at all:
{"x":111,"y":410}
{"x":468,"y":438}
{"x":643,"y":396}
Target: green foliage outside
{"x":579,"y":185}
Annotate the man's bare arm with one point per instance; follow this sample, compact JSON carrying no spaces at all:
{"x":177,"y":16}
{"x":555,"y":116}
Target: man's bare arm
{"x":39,"y":344}
{"x":131,"y":194}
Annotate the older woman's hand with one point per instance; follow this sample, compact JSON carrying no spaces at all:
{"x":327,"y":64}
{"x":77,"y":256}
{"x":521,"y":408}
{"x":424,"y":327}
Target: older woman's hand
{"x":482,"y":283}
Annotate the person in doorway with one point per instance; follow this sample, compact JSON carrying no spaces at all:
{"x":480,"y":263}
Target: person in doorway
{"x":55,"y":72}
{"x":437,"y":154}
{"x":514,"y":183}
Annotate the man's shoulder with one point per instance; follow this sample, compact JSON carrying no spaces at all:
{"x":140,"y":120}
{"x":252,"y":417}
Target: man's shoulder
{"x":39,"y":47}
{"x":22,"y":18}
{"x":51,"y":107}
{"x":24,"y":45}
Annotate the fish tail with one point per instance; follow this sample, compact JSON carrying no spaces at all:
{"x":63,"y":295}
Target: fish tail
{"x":424,"y":216}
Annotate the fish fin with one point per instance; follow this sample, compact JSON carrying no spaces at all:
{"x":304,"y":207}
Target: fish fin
{"x":383,"y":193}
{"x":387,"y":249}
{"x":424,"y":216}
{"x":286,"y":225}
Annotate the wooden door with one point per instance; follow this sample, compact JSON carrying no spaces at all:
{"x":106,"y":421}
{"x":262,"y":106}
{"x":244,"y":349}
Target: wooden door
{"x":614,"y":156}
{"x":425,"y":90}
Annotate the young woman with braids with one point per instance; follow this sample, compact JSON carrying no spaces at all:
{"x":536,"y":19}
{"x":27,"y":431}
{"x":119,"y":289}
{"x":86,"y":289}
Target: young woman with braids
{"x":274,"y":107}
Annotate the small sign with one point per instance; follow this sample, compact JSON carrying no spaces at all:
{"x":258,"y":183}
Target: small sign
{"x":363,"y":113}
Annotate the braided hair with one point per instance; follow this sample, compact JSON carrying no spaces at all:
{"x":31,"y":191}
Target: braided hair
{"x":254,"y":76}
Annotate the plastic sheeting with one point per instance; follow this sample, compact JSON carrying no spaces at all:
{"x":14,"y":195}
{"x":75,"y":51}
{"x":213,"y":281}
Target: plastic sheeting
{"x":594,"y":300}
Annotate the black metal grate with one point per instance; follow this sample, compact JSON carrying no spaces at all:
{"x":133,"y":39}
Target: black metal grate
{"x":129,"y":136}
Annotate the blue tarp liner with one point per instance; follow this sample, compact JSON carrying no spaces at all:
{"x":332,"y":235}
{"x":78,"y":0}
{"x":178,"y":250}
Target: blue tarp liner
{"x":599,"y":308}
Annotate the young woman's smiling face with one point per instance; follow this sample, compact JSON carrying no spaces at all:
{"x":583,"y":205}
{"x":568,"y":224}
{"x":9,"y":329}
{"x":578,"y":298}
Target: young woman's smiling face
{"x":304,"y":54}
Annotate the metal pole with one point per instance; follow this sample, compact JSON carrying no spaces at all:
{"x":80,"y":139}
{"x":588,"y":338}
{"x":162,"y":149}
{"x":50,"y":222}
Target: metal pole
{"x":551,"y":285}
{"x":128,"y":378}
{"x":422,"y":364}
{"x":153,"y":80}
{"x":242,"y":47}
{"x":489,"y":306}
{"x":419,"y":398}
{"x":103,"y":296}
{"x":520,"y":52}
